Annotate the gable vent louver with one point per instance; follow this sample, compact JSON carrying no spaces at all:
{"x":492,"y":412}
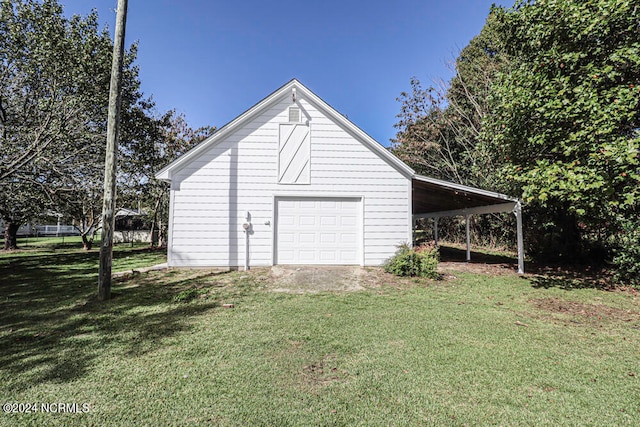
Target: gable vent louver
{"x":294,"y":115}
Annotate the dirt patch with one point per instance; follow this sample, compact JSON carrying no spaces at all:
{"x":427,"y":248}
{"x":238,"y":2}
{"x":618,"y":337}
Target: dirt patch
{"x":313,"y":279}
{"x":303,"y":279}
{"x":594,"y":312}
{"x":323,"y":372}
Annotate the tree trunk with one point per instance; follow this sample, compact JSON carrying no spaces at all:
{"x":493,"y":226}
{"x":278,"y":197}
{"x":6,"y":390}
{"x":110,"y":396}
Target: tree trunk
{"x":87,"y":243}
{"x":162,"y":235}
{"x":153,"y":237}
{"x":10,"y":235}
{"x":152,"y":241}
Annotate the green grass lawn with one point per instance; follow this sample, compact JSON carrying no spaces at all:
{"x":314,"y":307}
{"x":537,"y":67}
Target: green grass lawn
{"x":467,"y":350}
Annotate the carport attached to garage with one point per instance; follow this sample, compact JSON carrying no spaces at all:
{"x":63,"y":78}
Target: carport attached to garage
{"x":434,"y":198}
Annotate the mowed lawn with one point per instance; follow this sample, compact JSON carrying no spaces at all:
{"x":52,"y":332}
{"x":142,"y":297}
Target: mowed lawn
{"x":470,"y":349}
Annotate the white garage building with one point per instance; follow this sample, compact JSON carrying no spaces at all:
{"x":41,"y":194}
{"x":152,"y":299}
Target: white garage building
{"x":308,"y":186}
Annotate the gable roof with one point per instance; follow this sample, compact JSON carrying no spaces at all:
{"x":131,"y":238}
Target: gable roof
{"x":302,"y":91}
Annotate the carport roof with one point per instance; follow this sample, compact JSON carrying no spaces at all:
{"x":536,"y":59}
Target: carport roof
{"x":433,"y":197}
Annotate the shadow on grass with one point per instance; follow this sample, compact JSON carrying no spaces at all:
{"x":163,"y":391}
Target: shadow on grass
{"x":453,"y":254}
{"x":569,"y":280}
{"x":541,"y":275}
{"x":52,"y":329}
{"x":456,"y":255}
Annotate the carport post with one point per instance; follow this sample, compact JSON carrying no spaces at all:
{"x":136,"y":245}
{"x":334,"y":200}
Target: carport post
{"x":517,"y":210}
{"x":466,"y":221}
{"x":435,"y":231}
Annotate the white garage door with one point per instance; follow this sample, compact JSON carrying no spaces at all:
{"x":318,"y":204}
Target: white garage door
{"x":318,"y":231}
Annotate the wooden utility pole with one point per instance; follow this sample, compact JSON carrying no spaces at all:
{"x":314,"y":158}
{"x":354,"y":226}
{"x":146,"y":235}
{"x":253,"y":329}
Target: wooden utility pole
{"x":113,"y":125}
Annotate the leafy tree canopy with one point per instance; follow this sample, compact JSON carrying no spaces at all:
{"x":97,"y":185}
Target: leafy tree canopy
{"x":54,"y":86}
{"x":544,"y":105}
{"x":566,"y":115}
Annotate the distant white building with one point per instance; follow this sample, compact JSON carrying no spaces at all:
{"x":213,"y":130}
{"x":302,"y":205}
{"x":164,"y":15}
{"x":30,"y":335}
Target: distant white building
{"x":44,"y":230}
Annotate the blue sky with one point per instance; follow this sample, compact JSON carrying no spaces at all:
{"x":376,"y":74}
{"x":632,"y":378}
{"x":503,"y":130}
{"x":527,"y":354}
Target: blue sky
{"x":211,"y":60}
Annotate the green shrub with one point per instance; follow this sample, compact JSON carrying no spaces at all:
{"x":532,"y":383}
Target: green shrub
{"x":419,"y":261}
{"x":627,"y":255}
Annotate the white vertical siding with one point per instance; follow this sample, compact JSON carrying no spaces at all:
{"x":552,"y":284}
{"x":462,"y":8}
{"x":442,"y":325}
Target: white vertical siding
{"x":212,"y":194}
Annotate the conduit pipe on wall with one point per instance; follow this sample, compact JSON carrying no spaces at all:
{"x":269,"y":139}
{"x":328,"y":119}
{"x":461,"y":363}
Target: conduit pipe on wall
{"x":247,"y":229}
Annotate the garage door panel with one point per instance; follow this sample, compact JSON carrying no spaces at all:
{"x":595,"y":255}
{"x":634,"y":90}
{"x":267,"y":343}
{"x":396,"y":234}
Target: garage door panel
{"x":328,"y":238}
{"x":347,"y":206}
{"x":328,"y":205}
{"x":287,"y":204}
{"x":306,"y":220}
{"x":287,"y":220}
{"x":286,"y":253}
{"x":328,"y":257}
{"x":327,"y":221}
{"x":286,"y":238}
{"x":348,"y":238}
{"x":307,"y":204}
{"x":349,"y":221}
{"x":349,"y":256}
{"x":307,"y":238}
{"x":318,"y":231}
{"x":306,"y":257}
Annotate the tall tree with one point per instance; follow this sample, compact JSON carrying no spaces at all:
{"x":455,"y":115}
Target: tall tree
{"x":79,"y":192}
{"x":149,"y":143}
{"x":566,"y":117}
{"x":49,"y":95}
{"x":54,"y":83}
{"x":545,"y":104}
{"x":439,"y":127}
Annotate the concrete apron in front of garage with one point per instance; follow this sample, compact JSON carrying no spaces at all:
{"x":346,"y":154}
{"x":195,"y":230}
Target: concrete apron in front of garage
{"x":306,"y":278}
